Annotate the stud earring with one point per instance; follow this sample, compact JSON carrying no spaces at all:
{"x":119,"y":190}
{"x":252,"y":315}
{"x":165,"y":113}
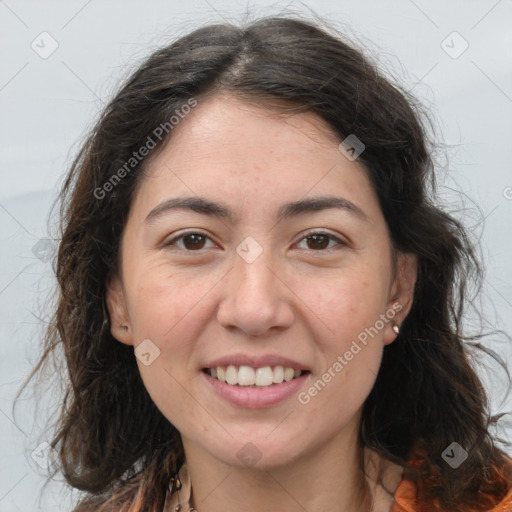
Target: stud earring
{"x":396,"y":329}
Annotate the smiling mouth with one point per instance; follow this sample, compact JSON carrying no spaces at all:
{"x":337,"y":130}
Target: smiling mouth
{"x":246,"y":376}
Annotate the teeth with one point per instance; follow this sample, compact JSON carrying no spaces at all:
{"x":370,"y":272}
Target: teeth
{"x":231,"y":375}
{"x":278,"y":376}
{"x":288,"y":374}
{"x":247,"y":376}
{"x":264,"y":376}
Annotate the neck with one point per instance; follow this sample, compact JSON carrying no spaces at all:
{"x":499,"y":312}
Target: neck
{"x":330,"y":478}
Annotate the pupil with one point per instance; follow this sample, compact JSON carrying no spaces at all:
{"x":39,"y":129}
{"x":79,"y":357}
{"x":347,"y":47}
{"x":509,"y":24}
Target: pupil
{"x":316,"y":239}
{"x":196,"y":240}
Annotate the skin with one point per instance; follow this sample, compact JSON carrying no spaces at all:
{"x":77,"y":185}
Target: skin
{"x":295,"y":300}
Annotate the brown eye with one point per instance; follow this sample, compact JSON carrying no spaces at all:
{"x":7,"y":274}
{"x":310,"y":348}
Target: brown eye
{"x":194,"y":241}
{"x":321,"y":241}
{"x":318,"y":241}
{"x":189,"y":242}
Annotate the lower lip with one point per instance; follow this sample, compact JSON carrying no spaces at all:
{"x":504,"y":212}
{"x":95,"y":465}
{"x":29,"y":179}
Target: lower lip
{"x":256,"y":398}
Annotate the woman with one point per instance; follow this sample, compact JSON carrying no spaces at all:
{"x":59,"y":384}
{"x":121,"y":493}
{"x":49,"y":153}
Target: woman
{"x":260,"y":304}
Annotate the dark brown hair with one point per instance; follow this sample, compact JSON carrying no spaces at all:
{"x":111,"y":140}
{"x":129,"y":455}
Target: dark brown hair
{"x":427,"y":394}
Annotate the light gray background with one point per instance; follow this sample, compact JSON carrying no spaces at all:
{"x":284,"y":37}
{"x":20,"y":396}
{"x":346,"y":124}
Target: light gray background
{"x":47,"y":103}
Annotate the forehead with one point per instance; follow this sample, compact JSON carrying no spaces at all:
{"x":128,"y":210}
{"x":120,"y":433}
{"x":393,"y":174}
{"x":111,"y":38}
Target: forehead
{"x":224,"y":123}
{"x":231,"y":150}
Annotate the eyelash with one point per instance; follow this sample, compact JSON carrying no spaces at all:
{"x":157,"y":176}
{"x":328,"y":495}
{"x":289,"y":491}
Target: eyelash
{"x":307,"y":235}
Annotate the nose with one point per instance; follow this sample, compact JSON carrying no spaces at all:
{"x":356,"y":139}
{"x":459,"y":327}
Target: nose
{"x":256,"y":297}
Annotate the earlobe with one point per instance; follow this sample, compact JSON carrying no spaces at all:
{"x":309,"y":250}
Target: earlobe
{"x":120,"y":326}
{"x":402,"y":293}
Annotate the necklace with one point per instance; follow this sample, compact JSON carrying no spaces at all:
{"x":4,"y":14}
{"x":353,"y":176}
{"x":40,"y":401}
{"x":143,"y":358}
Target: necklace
{"x":178,"y":508}
{"x":176,"y":485}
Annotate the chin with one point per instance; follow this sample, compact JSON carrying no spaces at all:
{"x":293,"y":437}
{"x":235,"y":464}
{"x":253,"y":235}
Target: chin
{"x":260,"y":453}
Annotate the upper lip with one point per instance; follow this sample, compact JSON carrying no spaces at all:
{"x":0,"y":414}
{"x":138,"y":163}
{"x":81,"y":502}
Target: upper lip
{"x":256,"y":361}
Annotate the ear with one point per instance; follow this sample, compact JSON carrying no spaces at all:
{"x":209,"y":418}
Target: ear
{"x":402,"y":293}
{"x":120,"y":326}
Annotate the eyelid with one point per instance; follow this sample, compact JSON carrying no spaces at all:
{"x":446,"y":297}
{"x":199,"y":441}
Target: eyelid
{"x":303,"y":236}
{"x":319,"y":231}
{"x":183,"y":234}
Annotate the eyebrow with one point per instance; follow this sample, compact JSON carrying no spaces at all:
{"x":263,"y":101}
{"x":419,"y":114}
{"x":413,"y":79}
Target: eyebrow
{"x":207,"y":207}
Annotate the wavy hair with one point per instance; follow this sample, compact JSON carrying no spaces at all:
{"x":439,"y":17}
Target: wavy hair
{"x":427,"y":393}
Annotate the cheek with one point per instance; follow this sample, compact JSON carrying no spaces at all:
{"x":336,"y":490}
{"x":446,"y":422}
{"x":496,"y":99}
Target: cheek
{"x":347,"y":304}
{"x":163,"y":302}
{"x":168,"y":389}
{"x":350,"y":336}
{"x":169,"y":312}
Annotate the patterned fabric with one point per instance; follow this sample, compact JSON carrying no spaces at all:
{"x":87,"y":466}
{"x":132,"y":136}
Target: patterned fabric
{"x":405,"y":497}
{"x":406,"y":500}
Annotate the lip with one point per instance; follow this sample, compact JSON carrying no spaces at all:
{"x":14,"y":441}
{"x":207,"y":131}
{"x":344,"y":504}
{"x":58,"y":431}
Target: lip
{"x":255,"y":398}
{"x":256,"y":362}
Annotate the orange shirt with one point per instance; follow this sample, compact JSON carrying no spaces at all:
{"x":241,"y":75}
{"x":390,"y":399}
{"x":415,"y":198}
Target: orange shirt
{"x":406,"y":495}
{"x":406,"y":500}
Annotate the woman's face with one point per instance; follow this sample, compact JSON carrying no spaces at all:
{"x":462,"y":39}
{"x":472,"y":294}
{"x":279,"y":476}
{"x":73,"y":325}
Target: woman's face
{"x":235,"y":283}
